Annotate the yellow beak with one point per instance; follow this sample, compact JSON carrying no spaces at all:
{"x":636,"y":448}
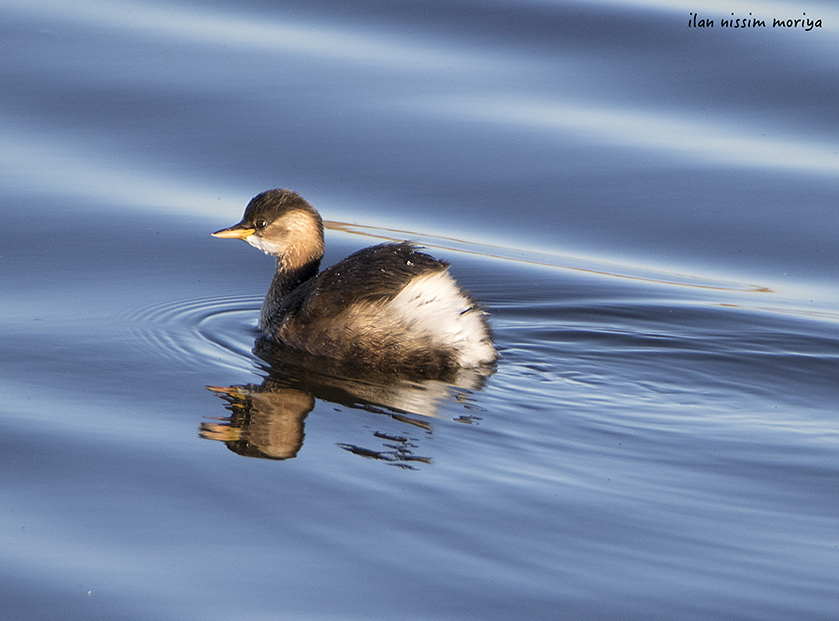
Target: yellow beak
{"x":237,"y":231}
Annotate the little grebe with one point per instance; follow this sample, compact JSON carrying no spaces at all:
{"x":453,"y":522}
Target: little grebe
{"x":387,"y":306}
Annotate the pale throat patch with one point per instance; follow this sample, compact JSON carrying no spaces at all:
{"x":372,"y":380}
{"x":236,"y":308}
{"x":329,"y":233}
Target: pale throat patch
{"x":263,"y":244}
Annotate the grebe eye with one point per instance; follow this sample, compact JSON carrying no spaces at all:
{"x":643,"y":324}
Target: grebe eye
{"x":260,"y":224}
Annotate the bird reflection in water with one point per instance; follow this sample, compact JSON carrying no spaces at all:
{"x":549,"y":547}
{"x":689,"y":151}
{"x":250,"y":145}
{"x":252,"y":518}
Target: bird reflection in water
{"x":268,"y":420}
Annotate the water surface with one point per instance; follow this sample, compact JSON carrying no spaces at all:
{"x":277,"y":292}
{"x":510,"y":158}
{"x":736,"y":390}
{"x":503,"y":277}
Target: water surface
{"x":647,"y":210}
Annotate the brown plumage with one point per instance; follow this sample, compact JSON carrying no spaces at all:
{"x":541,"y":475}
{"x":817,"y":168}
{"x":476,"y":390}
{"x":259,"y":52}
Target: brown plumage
{"x":387,"y":306}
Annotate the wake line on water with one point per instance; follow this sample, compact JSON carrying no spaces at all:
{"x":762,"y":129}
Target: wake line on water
{"x":544,"y":258}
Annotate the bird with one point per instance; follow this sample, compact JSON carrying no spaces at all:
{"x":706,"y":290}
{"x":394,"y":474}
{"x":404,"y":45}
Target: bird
{"x":386,"y":307}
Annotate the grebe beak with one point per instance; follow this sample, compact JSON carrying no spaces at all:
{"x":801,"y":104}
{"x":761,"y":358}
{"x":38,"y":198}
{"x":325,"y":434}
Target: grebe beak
{"x":237,"y":231}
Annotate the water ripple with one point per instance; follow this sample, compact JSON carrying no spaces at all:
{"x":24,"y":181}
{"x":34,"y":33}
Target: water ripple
{"x":668,"y":135}
{"x":257,"y":33}
{"x":216,"y":328}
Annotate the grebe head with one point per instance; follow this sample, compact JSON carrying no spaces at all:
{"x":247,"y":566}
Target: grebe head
{"x":281,"y":223}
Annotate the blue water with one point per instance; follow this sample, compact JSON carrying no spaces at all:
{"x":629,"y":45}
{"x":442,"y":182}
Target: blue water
{"x":647,"y":209}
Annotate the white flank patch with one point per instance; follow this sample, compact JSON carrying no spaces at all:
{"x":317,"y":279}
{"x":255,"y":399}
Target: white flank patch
{"x":434,"y":305}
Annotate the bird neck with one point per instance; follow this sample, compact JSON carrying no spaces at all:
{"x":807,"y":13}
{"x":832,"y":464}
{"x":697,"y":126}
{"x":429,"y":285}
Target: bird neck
{"x":278,"y":301}
{"x":286,"y":278}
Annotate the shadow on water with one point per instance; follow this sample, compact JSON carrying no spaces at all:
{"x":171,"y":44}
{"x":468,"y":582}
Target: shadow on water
{"x":268,"y":420}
